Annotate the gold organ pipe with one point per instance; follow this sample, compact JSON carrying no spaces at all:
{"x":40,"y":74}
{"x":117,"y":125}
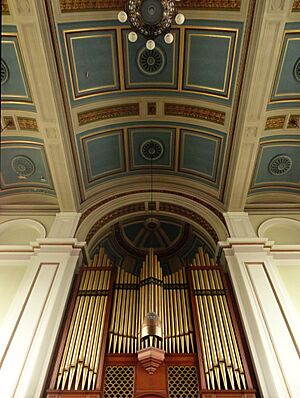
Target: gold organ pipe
{"x":70,"y":332}
{"x":165,"y":318}
{"x":221,"y":359}
{"x":113,"y":317}
{"x":97,"y":319}
{"x":179,"y":311}
{"x":184,"y":311}
{"x":117,"y":316}
{"x":222,"y":332}
{"x":80,"y":333}
{"x":172,"y":317}
{"x":122,"y":313}
{"x":213,"y":350}
{"x":104,"y":301}
{"x":208,"y":364}
{"x":239,"y":370}
{"x":86,"y":356}
{"x":189,"y":315}
{"x":176,"y":316}
{"x":130,"y":319}
{"x":86,"y":331}
{"x":122,"y":330}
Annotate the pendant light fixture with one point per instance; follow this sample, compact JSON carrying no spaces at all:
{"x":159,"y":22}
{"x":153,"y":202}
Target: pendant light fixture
{"x":150,"y":19}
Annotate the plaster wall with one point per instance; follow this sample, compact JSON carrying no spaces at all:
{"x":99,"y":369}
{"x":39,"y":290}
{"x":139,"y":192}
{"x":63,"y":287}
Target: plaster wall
{"x":10,"y":279}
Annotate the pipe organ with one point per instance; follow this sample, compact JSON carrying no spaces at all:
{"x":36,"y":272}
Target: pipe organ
{"x":187,"y":315}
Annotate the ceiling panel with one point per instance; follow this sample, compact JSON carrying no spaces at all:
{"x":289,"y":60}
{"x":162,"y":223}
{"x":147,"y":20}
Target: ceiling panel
{"x":92,"y":52}
{"x":24,"y":166}
{"x":277,"y":165}
{"x":286,"y":87}
{"x":15,"y":90}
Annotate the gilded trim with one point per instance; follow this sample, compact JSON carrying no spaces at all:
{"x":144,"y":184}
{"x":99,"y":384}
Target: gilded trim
{"x":275,"y":122}
{"x":108,"y":112}
{"x":195,"y":112}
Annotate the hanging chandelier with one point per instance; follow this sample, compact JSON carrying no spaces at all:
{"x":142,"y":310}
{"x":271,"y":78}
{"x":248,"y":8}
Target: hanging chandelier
{"x":150,"y":19}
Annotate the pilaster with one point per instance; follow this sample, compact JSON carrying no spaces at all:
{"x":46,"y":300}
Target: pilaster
{"x":271,"y":333}
{"x":29,"y":333}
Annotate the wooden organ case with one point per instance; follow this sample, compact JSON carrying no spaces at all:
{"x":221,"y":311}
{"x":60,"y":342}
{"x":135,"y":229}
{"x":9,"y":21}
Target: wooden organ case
{"x":151,"y":335}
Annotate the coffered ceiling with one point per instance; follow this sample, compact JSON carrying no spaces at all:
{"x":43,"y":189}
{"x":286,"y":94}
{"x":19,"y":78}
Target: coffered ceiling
{"x":81,"y":105}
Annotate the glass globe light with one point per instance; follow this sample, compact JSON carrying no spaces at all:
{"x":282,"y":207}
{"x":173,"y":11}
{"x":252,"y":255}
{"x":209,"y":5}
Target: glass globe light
{"x":169,"y":38}
{"x":150,"y":44}
{"x":179,"y":19}
{"x":122,"y":16}
{"x":132,"y":37}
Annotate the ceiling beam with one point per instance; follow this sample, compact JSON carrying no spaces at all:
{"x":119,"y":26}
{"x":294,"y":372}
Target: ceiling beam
{"x":267,"y":32}
{"x":34,"y":34}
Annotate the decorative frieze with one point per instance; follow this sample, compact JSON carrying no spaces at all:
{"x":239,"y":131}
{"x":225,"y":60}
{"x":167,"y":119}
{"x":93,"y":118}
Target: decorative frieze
{"x":211,"y":4}
{"x":93,"y":5}
{"x":9,"y":123}
{"x":151,"y":108}
{"x":27,"y":123}
{"x":275,"y":122}
{"x":294,"y":121}
{"x":4,"y":7}
{"x":108,"y":112}
{"x":195,"y":112}
{"x":90,"y":5}
{"x":296,"y":5}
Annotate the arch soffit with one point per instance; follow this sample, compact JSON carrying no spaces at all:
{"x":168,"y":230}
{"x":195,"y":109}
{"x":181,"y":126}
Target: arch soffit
{"x":95,"y":221}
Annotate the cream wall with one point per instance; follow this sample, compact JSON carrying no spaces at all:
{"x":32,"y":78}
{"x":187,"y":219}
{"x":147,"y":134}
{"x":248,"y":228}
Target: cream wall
{"x":290,"y":276}
{"x":45,"y":220}
{"x":257,"y":219}
{"x":10,"y":280}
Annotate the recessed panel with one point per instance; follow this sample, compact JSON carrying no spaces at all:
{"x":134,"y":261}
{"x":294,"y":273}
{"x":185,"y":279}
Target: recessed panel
{"x":15,"y":90}
{"x":151,"y":146}
{"x":102,"y":154}
{"x":201,"y":154}
{"x":150,"y":69}
{"x":277,"y":164}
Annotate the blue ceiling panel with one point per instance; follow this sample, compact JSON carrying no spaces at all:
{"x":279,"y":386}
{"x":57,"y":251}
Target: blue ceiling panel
{"x":277,"y":164}
{"x":15,"y":91}
{"x":286,"y":87}
{"x":163,"y":139}
{"x":102,"y":154}
{"x":153,"y":69}
{"x":92,"y":62}
{"x":203,"y":46}
{"x":201,"y":154}
{"x":24,"y":165}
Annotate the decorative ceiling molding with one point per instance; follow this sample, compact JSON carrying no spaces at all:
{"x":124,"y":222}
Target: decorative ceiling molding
{"x":296,"y":5}
{"x":91,"y":209}
{"x":294,"y":121}
{"x":275,"y":122}
{"x":27,"y":123}
{"x":4,"y":7}
{"x":195,"y":112}
{"x":211,"y":4}
{"x":108,"y":112}
{"x":138,"y":207}
{"x":151,"y":106}
{"x":93,"y":5}
{"x":9,"y":123}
